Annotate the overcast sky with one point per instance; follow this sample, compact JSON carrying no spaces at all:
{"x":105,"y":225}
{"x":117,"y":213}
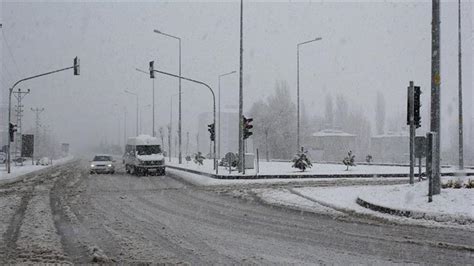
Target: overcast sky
{"x":366,"y":47}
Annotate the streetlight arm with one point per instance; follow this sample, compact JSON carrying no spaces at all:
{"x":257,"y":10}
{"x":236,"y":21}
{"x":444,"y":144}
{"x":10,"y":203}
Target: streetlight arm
{"x":143,"y":71}
{"x":317,"y":39}
{"x":166,"y":34}
{"x":222,"y":75}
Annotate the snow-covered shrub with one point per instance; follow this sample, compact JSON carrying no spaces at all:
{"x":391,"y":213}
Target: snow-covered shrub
{"x":457,"y":183}
{"x":469,"y":184}
{"x":349,"y":160}
{"x":198,"y":158}
{"x":301,"y":161}
{"x":368,"y":158}
{"x":447,"y":184}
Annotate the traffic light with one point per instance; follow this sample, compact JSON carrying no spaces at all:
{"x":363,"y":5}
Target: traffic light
{"x":76,"y":66}
{"x":417,"y":107}
{"x":212,"y":130}
{"x":152,"y":69}
{"x":12,"y":130}
{"x":247,"y":127}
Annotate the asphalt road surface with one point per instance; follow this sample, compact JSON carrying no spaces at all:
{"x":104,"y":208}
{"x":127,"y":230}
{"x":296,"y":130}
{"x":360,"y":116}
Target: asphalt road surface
{"x":67,"y":215}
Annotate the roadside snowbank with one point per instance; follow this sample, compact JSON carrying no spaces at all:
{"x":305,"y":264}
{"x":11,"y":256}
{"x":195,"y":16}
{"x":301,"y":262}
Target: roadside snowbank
{"x":452,"y":205}
{"x":17,"y":171}
{"x":200,"y":180}
{"x":284,"y":168}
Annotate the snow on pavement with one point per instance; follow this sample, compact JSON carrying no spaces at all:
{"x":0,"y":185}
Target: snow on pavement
{"x":451,"y":202}
{"x":17,"y":171}
{"x":200,"y":180}
{"x":282,"y":197}
{"x":284,"y":168}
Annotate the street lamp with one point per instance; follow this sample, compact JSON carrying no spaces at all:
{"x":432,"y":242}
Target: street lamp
{"x":136,"y":95}
{"x":153,"y":103}
{"x":298,"y":89}
{"x":141,"y":116}
{"x":118,"y":120}
{"x":179,"y":108}
{"x":219,"y":117}
{"x":152,"y":70}
{"x":171,"y":122}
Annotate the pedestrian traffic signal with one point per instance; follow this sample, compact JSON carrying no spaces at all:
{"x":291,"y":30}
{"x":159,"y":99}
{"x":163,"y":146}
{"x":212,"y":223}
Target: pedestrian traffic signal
{"x":247,"y":127}
{"x":417,"y":107}
{"x":12,"y":130}
{"x":76,"y":66}
{"x":152,"y":69}
{"x":212,"y":130}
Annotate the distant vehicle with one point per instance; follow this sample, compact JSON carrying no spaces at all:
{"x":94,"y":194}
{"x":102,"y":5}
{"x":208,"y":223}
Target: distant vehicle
{"x":19,"y":159}
{"x":43,"y":161}
{"x":143,"y":156}
{"x":102,"y":163}
{"x":3,"y":157}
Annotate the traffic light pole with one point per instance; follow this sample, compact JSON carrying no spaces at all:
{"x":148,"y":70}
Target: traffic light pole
{"x":411,"y":105}
{"x":10,"y":106}
{"x":213,"y":103}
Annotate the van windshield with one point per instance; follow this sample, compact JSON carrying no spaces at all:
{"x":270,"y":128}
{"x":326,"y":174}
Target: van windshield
{"x":148,"y":149}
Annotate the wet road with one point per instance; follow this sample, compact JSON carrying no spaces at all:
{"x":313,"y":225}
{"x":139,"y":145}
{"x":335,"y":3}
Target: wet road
{"x":123,"y":218}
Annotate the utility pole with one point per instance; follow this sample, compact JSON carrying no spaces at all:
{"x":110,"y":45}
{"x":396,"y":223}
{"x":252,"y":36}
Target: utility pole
{"x":19,"y":95}
{"x":461,"y":140}
{"x":241,"y":124}
{"x":125,"y":125}
{"x":37,"y":112}
{"x":435,"y":94}
{"x":153,"y":133}
{"x":187,"y":142}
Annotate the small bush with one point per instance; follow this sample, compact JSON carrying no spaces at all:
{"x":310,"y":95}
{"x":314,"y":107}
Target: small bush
{"x":457,"y":183}
{"x":301,"y":161}
{"x":469,"y":184}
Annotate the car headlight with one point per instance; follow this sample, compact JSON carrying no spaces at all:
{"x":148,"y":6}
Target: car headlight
{"x":109,"y":165}
{"x":92,"y":165}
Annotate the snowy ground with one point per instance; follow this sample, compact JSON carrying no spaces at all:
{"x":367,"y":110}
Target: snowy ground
{"x":284,"y":168}
{"x":17,"y":171}
{"x":452,"y":207}
{"x":200,"y":180}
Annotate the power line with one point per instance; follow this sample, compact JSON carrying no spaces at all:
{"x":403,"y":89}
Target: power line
{"x":10,"y":51}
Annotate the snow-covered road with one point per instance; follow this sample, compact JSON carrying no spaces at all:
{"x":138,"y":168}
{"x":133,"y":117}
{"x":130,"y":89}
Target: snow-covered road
{"x":70,"y":216}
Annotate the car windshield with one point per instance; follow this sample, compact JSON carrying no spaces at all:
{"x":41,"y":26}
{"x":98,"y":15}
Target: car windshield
{"x":101,"y":158}
{"x":148,"y":149}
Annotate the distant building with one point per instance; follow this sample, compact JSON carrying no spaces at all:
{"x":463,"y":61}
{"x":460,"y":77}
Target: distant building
{"x":390,"y":148}
{"x":331,"y":145}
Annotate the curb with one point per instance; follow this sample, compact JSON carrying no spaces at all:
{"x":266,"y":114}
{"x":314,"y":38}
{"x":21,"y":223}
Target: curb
{"x":458,"y":219}
{"x":218,"y":176}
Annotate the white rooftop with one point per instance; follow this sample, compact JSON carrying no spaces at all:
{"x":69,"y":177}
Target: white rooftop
{"x":143,"y":140}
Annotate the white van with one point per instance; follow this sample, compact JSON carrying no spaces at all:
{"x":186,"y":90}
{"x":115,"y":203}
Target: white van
{"x":143,"y":155}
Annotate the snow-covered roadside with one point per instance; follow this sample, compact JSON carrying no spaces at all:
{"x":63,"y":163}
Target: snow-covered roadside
{"x":18,"y":171}
{"x":282,"y":197}
{"x":451,"y":204}
{"x":284,"y":168}
{"x":200,"y":180}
